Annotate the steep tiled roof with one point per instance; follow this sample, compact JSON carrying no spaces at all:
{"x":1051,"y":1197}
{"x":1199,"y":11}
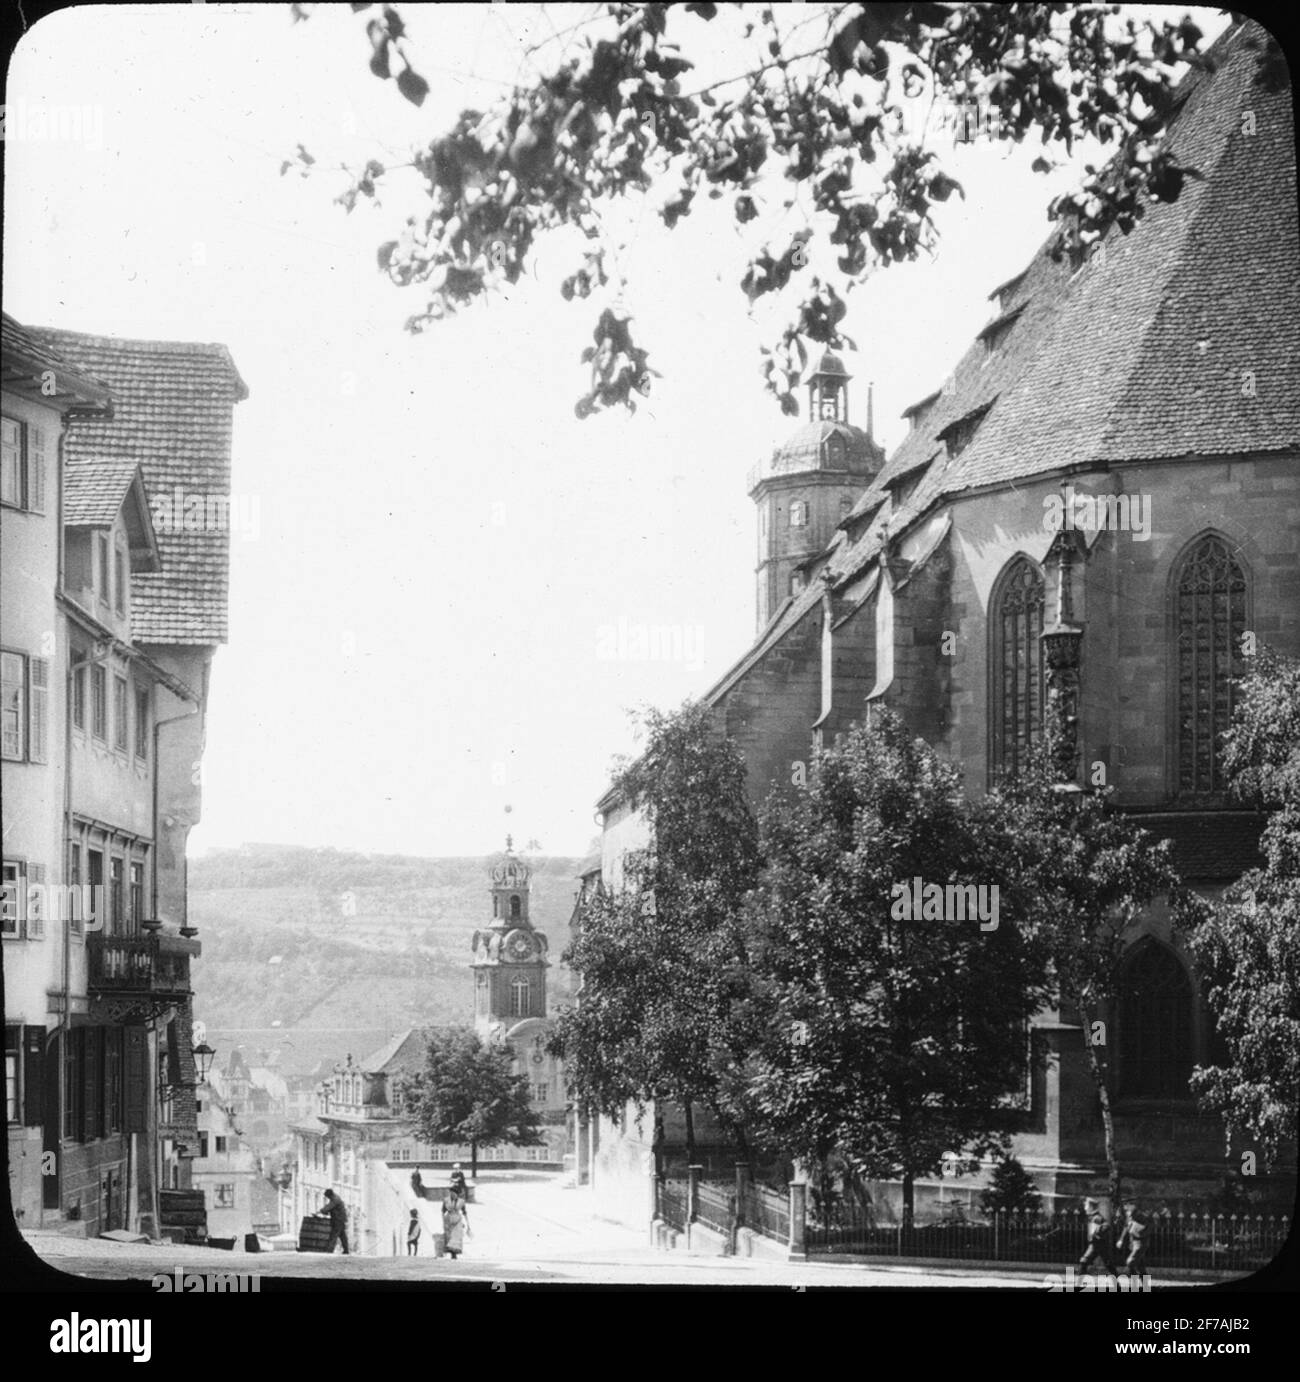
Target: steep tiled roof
{"x":172,"y":414}
{"x":27,"y":359}
{"x":1142,"y":353}
{"x":93,"y":491}
{"x":405,"y":1051}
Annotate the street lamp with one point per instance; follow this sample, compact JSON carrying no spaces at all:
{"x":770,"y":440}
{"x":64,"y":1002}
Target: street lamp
{"x":203,"y":1056}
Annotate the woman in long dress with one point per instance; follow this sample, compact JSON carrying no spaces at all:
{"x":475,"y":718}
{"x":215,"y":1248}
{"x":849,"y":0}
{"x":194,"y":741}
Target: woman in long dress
{"x":455,"y":1224}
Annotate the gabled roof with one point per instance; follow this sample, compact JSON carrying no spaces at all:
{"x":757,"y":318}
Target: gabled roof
{"x":29,"y":366}
{"x":1143,"y":353}
{"x":406,"y":1051}
{"x":173,"y":404}
{"x":94,"y":493}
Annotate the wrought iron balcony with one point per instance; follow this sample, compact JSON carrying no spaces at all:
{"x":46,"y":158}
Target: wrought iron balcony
{"x":156,"y":966}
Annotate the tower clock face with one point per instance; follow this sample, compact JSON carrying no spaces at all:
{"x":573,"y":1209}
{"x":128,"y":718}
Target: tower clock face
{"x":518,"y":945}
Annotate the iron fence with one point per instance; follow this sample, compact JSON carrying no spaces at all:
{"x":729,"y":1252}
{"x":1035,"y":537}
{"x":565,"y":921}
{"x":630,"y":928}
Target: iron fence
{"x":765,"y":1211}
{"x":1215,"y":1241}
{"x":672,"y":1197}
{"x":715,"y":1206}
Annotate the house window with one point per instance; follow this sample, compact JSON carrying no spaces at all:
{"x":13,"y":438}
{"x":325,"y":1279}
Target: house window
{"x":119,"y":581}
{"x":79,"y":695}
{"x":24,"y":707}
{"x":137,"y":895}
{"x":76,"y":903}
{"x":13,"y":705}
{"x":223,"y":1194}
{"x":519,"y":997}
{"x":119,"y":712}
{"x":541,"y":1092}
{"x":799,"y":513}
{"x":12,"y":463}
{"x":22,"y":465}
{"x":1210,"y":620}
{"x":1155,"y":1024}
{"x":142,"y":722}
{"x":101,"y":548}
{"x":221,"y":1144}
{"x":99,"y":702}
{"x":116,"y":911}
{"x":13,"y":1059}
{"x":203,"y":1137}
{"x":515,"y":906}
{"x":1016,"y":623}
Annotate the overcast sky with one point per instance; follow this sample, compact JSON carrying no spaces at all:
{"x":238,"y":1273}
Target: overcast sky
{"x":436,"y":556}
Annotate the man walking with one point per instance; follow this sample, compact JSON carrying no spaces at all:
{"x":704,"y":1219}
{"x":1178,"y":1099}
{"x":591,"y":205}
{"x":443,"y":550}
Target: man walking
{"x":1131,"y":1242}
{"x":338,"y":1213}
{"x":1099,"y":1241}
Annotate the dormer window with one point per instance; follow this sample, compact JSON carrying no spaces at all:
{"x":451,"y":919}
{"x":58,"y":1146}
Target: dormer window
{"x":799,"y":513}
{"x":958,"y":435}
{"x":996,"y":332}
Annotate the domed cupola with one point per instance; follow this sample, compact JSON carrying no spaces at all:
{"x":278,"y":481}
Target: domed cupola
{"x":808,"y":484}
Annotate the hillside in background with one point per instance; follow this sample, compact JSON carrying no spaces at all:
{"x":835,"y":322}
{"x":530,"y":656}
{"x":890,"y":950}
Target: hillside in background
{"x":322,"y":938}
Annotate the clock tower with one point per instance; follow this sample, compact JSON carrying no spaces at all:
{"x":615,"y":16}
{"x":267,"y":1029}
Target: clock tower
{"x":509,"y":961}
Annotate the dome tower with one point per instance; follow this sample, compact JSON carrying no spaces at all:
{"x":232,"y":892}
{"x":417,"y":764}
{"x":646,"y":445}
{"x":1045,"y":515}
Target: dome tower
{"x":809,"y":485}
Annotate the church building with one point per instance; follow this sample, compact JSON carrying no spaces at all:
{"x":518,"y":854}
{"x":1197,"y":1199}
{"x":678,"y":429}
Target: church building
{"x":1099,"y":507}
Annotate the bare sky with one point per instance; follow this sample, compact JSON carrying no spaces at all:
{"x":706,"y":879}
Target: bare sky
{"x":437,"y":571}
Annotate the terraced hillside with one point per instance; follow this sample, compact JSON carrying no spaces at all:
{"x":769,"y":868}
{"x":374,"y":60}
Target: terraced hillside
{"x":321,"y":938}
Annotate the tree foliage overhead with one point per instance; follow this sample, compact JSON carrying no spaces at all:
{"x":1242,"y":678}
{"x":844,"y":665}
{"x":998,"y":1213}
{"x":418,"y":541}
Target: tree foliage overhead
{"x":1247,"y":946}
{"x":814,"y":123}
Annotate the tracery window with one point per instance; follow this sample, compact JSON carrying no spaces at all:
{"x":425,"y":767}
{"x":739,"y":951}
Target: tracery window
{"x":1016,"y":621}
{"x":1210,"y":620}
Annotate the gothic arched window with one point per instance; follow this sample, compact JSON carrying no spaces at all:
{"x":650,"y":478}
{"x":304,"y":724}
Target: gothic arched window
{"x":519,"y":998}
{"x":1155,"y":1024}
{"x":1210,"y":619}
{"x":1016,"y":623}
{"x":799,"y":513}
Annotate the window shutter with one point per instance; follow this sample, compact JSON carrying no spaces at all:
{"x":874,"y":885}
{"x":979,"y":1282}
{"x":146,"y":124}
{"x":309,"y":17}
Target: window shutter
{"x":35,"y":906}
{"x":33,"y":1075}
{"x":36,"y":469}
{"x":137,"y":1087}
{"x":39,"y":711}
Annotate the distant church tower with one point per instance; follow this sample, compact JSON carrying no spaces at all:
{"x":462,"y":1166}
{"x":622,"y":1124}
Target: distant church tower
{"x":510,"y":964}
{"x":809,"y":485}
{"x":510,"y":956}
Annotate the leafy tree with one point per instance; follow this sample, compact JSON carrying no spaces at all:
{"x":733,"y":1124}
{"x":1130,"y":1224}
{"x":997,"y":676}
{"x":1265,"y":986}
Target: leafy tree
{"x":1011,"y":1190}
{"x":1088,"y":873}
{"x":893,"y":1037}
{"x":824,"y":115}
{"x":1247,"y":945}
{"x":467,"y":1093}
{"x":664,"y":1008}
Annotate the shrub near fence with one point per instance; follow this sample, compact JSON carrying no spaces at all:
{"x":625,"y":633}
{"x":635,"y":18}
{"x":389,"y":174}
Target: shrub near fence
{"x":1235,"y":1242}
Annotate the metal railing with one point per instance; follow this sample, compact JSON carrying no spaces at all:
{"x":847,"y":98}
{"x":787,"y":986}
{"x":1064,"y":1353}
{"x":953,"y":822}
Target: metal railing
{"x":673,"y":1198}
{"x":765,"y":1211}
{"x":139,"y":964}
{"x":1214,"y":1241}
{"x":715,"y":1205}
